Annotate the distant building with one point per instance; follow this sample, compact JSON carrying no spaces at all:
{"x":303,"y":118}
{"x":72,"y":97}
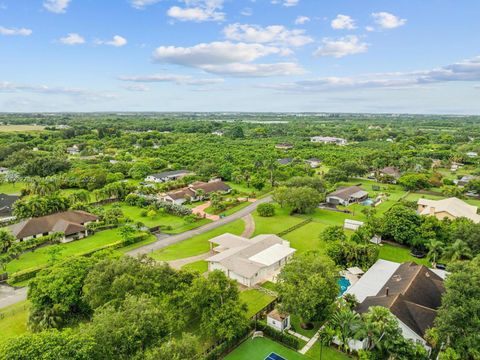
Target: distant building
{"x":249,"y":261}
{"x":167,"y":176}
{"x":389,"y":174}
{"x":73,"y":150}
{"x":284,"y":146}
{"x":313,"y":162}
{"x":472,"y":154}
{"x":71,"y":223}
{"x":285,"y":161}
{"x":465,"y":180}
{"x":6,"y":204}
{"x":451,"y":208}
{"x":350,"y":224}
{"x":218,"y":133}
{"x":347,"y":195}
{"x":328,"y":140}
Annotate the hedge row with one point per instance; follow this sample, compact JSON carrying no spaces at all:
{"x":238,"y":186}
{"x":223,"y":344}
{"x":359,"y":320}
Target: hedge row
{"x":283,"y":337}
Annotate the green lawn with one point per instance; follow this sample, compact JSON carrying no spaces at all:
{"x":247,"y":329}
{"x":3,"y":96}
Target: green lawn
{"x":255,"y":300}
{"x":276,"y":224}
{"x":260,"y":348}
{"x":328,"y":353}
{"x":201,"y":266}
{"x":198,"y":244}
{"x":160,"y":219}
{"x":13,"y":320}
{"x":269,"y":285}
{"x":307,"y":237}
{"x":243,"y":189}
{"x":296,"y":321}
{"x":41,"y":257}
{"x":399,"y":254}
{"x":8,"y":188}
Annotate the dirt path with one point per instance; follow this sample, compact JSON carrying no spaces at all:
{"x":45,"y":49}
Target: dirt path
{"x":249,"y":226}
{"x":200,"y":210}
{"x":177,"y":264}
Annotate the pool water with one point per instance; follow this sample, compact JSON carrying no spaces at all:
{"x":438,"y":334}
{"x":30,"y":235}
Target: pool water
{"x":367,"y":202}
{"x":343,"y":283}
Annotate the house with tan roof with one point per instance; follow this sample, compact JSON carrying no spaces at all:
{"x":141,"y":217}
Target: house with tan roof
{"x":450,"y":208}
{"x":71,"y":223}
{"x":196,"y":191}
{"x":249,"y":261}
{"x":412,"y":293}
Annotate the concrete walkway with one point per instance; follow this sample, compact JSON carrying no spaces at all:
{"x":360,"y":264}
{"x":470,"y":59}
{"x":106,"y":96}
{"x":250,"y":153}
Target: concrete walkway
{"x":300,"y":336}
{"x":174,"y":239}
{"x":249,"y":226}
{"x":177,"y":264}
{"x":10,"y":295}
{"x":310,"y":343}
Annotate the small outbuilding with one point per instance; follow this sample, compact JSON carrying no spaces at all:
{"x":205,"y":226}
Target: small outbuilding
{"x":278,"y":320}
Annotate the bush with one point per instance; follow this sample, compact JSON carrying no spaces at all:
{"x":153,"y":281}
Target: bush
{"x":284,"y":338}
{"x":266,"y":210}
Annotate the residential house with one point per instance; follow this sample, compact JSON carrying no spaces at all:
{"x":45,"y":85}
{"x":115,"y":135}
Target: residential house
{"x":347,"y":195}
{"x":313,"y":162}
{"x":285,"y":161}
{"x":218,"y":133}
{"x":73,"y":150}
{"x":328,"y":140}
{"x":450,"y":208}
{"x":389,"y":174}
{"x":195,"y":192}
{"x":455,"y":166}
{"x":278,"y":320}
{"x":6,"y":205}
{"x":284,"y":146}
{"x":412,"y":293}
{"x":167,"y":176}
{"x":71,"y":223}
{"x":465,"y":180}
{"x":249,"y":261}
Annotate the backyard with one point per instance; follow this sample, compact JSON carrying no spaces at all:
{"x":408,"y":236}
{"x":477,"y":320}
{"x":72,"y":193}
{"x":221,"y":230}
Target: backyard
{"x":13,"y":320}
{"x":256,"y":300}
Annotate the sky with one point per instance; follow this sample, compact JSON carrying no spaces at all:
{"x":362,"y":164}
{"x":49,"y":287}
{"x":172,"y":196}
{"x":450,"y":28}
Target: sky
{"x":376,"y":56}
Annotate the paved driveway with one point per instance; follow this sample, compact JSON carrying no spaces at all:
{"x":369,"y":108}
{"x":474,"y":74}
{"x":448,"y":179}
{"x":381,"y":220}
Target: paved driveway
{"x":160,"y":244}
{"x":10,"y":296}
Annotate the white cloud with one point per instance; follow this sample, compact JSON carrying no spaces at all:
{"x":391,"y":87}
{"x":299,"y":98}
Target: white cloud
{"x":198,"y":11}
{"x":72,"y":39}
{"x":463,"y":71}
{"x":117,"y":41}
{"x":15,"y":31}
{"x":246,"y":11}
{"x":226,"y":58}
{"x":177,"y":79}
{"x":274,"y":34}
{"x":369,"y":28}
{"x":137,"y":88}
{"x":342,"y":22}
{"x":56,"y":6}
{"x":141,"y":4}
{"x":388,"y":21}
{"x":348,"y":45}
{"x":286,"y":3}
{"x":300,"y":20}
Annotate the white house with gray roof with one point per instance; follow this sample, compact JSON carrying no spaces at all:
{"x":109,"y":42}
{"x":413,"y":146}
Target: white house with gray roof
{"x":249,"y":261}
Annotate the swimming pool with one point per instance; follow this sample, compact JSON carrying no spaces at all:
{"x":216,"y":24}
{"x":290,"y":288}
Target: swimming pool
{"x":368,"y":202}
{"x":343,"y":283}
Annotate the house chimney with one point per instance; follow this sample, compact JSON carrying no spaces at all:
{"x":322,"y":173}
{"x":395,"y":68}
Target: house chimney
{"x":387,"y":291}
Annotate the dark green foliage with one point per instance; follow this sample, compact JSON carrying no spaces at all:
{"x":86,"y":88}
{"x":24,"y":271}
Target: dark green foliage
{"x":348,"y":254}
{"x":266,"y":210}
{"x":400,"y":224}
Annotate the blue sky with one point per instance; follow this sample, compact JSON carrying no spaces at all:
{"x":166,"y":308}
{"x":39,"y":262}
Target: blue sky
{"x":406,"y":56}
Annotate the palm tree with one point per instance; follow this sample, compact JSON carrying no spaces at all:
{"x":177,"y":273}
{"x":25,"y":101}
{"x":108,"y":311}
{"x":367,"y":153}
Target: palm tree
{"x":435,"y":250}
{"x":459,"y":250}
{"x":325,"y":337}
{"x":346,"y":324}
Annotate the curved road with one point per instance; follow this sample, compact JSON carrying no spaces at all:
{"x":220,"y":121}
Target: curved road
{"x":170,"y":240}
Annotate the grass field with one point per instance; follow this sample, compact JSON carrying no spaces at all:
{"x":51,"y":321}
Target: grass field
{"x":328,"y":353}
{"x":399,"y":254}
{"x":276,"y":224}
{"x":13,"y":321}
{"x":260,"y":348}
{"x":41,"y":256}
{"x":196,"y":245}
{"x":201,"y":266}
{"x":10,"y":128}
{"x":9,"y":188}
{"x":256,"y":300}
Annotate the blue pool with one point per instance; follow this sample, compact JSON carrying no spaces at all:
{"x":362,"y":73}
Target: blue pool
{"x":367,"y":202}
{"x":343,"y":283}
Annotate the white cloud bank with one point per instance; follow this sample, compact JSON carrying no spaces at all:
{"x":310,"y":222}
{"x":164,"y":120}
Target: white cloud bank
{"x":343,"y":22}
{"x":72,"y":39}
{"x":15,"y":31}
{"x":172,"y":78}
{"x":338,"y":48}
{"x":116,"y":41}
{"x":387,"y":20}
{"x":56,"y":6}
{"x":198,"y":11}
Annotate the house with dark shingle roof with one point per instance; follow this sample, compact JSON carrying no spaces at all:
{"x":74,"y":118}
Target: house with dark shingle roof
{"x":412,"y":293}
{"x":347,"y":195}
{"x":71,"y":223}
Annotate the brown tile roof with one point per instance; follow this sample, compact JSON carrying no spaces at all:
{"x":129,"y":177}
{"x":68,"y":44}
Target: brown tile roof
{"x":212,"y":186}
{"x":414,"y":295}
{"x":64,"y":220}
{"x":391,"y":170}
{"x":346,"y":192}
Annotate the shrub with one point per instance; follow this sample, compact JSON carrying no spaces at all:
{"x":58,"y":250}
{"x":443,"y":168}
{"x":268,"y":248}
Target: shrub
{"x":279,"y":336}
{"x":266,"y":210}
